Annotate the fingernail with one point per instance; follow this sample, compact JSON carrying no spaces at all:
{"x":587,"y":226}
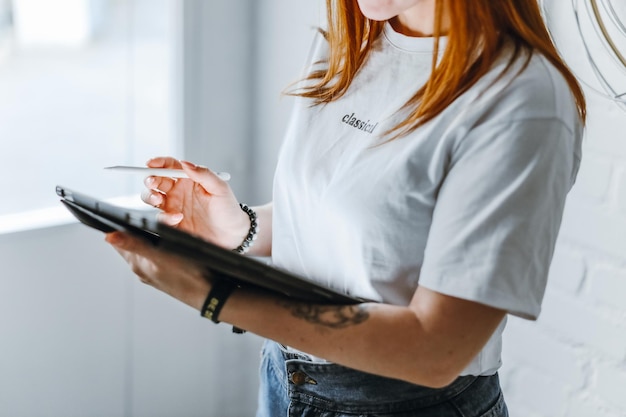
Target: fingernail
{"x":189,"y":164}
{"x":155,"y":199}
{"x":170,"y":219}
{"x":149,"y":180}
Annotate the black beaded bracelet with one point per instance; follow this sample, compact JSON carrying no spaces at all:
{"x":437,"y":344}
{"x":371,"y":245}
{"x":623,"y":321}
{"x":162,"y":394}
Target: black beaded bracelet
{"x":254,"y":228}
{"x":214,"y":302}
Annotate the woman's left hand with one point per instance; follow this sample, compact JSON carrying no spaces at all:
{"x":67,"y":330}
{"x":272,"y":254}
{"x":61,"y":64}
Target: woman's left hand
{"x":174,"y":275}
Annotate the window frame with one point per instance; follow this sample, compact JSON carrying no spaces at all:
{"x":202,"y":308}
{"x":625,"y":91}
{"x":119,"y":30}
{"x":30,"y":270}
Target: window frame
{"x":209,"y":100}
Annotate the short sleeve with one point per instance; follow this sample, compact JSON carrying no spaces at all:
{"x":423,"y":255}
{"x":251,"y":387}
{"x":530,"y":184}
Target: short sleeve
{"x":498,"y":213}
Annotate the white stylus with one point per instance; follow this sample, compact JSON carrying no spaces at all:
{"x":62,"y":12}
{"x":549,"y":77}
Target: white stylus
{"x":160,"y":172}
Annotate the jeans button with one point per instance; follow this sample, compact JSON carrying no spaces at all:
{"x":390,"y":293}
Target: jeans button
{"x":298,"y":378}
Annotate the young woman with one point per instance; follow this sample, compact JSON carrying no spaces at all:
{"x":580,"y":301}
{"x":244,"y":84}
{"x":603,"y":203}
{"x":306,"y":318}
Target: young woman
{"x":426,"y":166}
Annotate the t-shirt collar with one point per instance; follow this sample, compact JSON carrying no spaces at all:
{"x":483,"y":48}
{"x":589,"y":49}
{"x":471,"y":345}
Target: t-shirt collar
{"x":410,"y":43}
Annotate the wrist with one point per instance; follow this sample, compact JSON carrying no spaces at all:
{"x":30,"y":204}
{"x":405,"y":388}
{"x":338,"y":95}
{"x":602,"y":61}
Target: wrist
{"x":221,"y":290}
{"x":216,"y":298}
{"x":251,"y":234}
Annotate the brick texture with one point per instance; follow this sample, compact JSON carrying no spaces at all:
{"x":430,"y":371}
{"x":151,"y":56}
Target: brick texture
{"x":571,"y":362}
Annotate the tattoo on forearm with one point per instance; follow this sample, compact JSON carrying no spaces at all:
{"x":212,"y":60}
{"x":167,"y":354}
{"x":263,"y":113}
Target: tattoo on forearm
{"x":334,"y":317}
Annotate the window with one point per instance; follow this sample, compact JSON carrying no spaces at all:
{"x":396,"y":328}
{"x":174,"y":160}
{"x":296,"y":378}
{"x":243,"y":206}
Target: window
{"x":84,"y":84}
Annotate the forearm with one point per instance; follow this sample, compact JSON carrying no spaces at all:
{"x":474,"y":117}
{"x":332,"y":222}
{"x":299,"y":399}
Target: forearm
{"x":382,"y":339}
{"x":429,"y":342}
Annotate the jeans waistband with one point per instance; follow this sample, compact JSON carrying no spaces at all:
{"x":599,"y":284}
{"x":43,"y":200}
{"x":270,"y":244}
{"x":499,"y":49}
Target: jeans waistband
{"x":329,"y":383}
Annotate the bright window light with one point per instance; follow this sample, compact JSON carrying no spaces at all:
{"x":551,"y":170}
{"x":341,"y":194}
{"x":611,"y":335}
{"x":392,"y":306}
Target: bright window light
{"x":84,"y":84}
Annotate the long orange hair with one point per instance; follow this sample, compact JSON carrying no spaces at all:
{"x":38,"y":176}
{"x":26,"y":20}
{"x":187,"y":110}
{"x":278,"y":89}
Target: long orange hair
{"x":475,"y":41}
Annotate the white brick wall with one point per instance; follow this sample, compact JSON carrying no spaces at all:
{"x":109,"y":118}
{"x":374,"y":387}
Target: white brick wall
{"x":572,"y":361}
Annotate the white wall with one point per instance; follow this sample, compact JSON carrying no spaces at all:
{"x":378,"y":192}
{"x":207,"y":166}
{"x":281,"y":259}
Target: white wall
{"x":80,"y":336}
{"x":216,"y":66}
{"x":285,"y":31}
{"x":572,"y":361}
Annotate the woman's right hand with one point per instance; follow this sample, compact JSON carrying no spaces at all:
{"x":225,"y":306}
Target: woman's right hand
{"x":203,"y":204}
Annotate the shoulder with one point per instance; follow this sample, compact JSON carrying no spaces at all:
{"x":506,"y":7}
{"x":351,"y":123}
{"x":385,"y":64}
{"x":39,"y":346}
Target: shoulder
{"x":527,"y":111}
{"x":530,"y":89}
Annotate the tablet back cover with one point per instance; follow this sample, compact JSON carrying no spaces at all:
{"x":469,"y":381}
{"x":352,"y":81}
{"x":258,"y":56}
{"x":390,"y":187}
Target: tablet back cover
{"x":230,"y":265}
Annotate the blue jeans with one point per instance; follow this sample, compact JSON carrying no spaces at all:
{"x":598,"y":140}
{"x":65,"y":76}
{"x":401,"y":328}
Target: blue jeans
{"x":292,"y":385}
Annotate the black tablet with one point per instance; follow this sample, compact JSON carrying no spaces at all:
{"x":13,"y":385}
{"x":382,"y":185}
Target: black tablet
{"x":242,"y":270}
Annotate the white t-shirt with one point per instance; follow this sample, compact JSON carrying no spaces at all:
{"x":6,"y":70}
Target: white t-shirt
{"x":468,"y":205}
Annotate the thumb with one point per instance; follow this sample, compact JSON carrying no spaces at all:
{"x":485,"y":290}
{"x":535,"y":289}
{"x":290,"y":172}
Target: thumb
{"x":208,"y":179}
{"x":124,"y":242}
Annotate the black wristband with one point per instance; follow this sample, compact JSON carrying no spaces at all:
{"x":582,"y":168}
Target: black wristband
{"x":214,"y":302}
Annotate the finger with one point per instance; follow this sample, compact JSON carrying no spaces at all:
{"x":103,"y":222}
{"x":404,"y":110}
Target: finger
{"x":205,"y":177}
{"x":153,"y":198}
{"x":164,"y":162}
{"x":170,"y":219}
{"x":127,"y":244}
{"x":134,"y":251}
{"x":163,"y":184}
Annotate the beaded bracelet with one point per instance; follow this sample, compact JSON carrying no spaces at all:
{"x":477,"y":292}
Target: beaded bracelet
{"x":254,"y":228}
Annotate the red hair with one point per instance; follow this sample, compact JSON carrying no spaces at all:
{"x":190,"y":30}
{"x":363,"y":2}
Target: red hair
{"x":474,"y":42}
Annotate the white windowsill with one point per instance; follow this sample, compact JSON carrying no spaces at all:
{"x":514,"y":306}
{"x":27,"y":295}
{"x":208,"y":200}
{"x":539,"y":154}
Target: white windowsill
{"x":55,"y":216}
